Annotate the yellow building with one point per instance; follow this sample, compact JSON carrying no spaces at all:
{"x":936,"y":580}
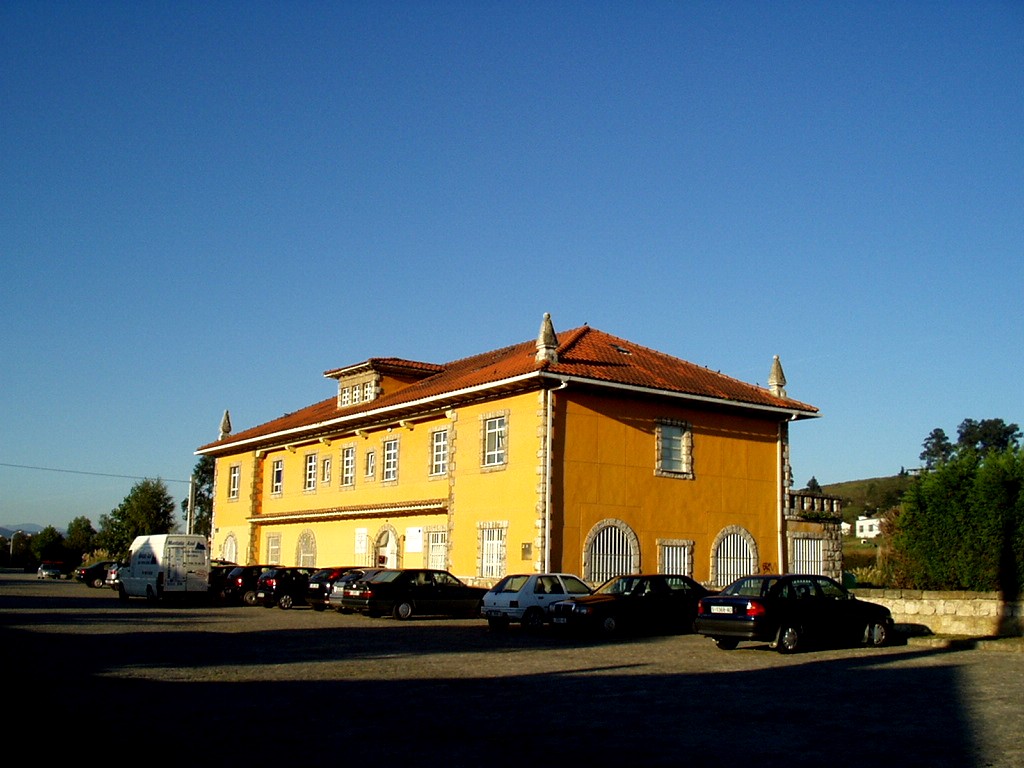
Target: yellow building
{"x":582,"y":453}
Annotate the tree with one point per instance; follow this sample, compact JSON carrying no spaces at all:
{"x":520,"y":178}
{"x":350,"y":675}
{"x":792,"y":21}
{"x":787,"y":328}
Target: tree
{"x":81,"y":537}
{"x":986,"y":435}
{"x":148,"y":508}
{"x":980,"y":436}
{"x":961,"y":525}
{"x":937,"y":448}
{"x":48,"y":544}
{"x":813,"y":486}
{"x":202,"y":489}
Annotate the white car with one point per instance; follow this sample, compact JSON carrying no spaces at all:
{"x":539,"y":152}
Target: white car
{"x":527,"y":598}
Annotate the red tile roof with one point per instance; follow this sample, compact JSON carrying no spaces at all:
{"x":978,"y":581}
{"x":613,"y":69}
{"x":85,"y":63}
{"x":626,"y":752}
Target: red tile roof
{"x":585,"y":354}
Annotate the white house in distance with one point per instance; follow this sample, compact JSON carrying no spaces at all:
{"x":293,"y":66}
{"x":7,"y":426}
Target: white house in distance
{"x":867,"y":527}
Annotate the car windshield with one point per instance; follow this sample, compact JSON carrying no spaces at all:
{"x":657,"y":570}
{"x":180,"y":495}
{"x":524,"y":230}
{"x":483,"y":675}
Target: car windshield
{"x":324,"y":574}
{"x":511,"y":584}
{"x":622,"y":585}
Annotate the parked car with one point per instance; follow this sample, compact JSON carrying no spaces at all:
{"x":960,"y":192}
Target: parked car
{"x":113,"y":578}
{"x":528,"y":598}
{"x":240,"y":584}
{"x":637,"y":603}
{"x":93,"y":575}
{"x":318,"y":591}
{"x":219,"y":571}
{"x":284,"y":586}
{"x":791,"y":611}
{"x":406,"y":592}
{"x":337,"y":596}
{"x":48,"y":570}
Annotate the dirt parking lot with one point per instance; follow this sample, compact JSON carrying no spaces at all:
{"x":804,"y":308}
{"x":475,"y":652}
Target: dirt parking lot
{"x":96,"y":678}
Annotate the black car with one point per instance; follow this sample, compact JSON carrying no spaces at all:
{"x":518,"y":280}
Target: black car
{"x":336,"y":599}
{"x":218,"y":580}
{"x":791,"y":611}
{"x":94,"y":575}
{"x":240,"y":584}
{"x":656,"y":602}
{"x":283,"y":586}
{"x":318,"y":591}
{"x":406,"y":592}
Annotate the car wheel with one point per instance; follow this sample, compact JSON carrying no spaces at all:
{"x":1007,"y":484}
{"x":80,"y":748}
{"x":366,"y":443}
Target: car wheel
{"x":727,"y":643}
{"x":789,"y":640}
{"x":498,"y":624}
{"x":877,"y":634}
{"x":533,"y":618}
{"x":249,"y":598}
{"x":286,"y":602}
{"x":403,"y":610}
{"x":96,"y":583}
{"x":609,"y":625}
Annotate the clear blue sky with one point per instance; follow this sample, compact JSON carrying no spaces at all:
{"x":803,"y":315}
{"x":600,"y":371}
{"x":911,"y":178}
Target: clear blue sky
{"x":207,"y":205}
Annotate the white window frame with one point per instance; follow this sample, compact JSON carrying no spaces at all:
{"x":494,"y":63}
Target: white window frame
{"x":439,"y":452}
{"x":325,"y":471}
{"x":273,"y":547}
{"x":492,"y":549}
{"x":312,"y":467}
{"x":370,"y":467}
{"x":674,"y":444}
{"x":437,"y":548}
{"x":495,"y":440}
{"x":277,"y":477}
{"x":348,"y":466}
{"x":389,"y":471}
{"x":234,"y":481}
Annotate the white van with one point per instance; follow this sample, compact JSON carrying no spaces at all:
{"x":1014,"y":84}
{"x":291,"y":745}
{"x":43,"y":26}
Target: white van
{"x":165,"y":565}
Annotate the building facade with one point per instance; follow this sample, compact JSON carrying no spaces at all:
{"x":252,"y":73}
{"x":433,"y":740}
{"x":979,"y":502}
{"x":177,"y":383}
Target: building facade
{"x":580,"y":452}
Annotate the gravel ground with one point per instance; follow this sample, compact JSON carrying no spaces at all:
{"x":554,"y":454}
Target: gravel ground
{"x":102,"y":680}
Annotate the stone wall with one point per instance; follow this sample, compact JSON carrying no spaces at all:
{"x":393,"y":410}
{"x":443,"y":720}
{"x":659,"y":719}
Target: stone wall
{"x":975,"y":614}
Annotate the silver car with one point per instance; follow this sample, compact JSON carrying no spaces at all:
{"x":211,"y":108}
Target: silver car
{"x":527,"y":598}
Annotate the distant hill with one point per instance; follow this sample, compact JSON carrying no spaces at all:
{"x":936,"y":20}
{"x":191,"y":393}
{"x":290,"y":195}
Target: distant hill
{"x":8,"y":530}
{"x":869,"y":497}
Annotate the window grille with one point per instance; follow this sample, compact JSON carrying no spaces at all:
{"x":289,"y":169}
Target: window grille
{"x":610,"y":555}
{"x":437,"y":549}
{"x":733,"y":559}
{"x":492,"y":546}
{"x":808,"y":556}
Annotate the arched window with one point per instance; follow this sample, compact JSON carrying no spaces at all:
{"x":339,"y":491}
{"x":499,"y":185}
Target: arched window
{"x":229,"y":549}
{"x":305,"y":555}
{"x":734,"y":555}
{"x":611,"y":549}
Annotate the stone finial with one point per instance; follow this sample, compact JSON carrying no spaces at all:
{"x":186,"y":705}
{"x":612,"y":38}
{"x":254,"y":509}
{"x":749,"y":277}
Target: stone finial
{"x":547,"y":342}
{"x":777,"y":379}
{"x":225,"y":425}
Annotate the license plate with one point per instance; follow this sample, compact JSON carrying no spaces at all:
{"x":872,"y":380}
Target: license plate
{"x":495,"y":614}
{"x":559,"y":620}
{"x":314,"y":585}
{"x":260,"y":594}
{"x":721,"y":609}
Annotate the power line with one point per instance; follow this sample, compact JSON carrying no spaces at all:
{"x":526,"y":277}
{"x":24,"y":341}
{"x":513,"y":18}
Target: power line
{"x":94,"y":474}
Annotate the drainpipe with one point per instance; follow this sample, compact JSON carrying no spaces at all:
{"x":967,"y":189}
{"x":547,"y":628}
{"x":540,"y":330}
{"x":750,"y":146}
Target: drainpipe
{"x":549,"y":415}
{"x":781,"y":495}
